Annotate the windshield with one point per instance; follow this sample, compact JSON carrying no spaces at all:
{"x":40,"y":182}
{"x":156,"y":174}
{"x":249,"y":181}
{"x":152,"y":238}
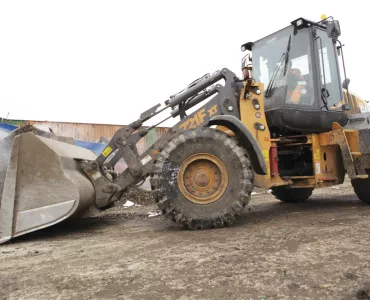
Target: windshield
{"x":282,"y":62}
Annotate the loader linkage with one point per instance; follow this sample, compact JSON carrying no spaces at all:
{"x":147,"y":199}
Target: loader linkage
{"x":109,"y":186}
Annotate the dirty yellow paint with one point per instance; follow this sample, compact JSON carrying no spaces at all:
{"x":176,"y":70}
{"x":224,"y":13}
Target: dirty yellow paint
{"x":249,"y":117}
{"x":266,"y":156}
{"x":198,"y":118}
{"x":107,"y":151}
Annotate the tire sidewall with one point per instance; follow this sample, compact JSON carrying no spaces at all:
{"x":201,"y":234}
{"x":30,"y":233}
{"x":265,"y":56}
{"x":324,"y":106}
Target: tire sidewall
{"x":214,"y":143}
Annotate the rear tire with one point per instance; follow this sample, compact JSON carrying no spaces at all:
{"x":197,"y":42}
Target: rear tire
{"x":202,"y":179}
{"x":292,"y":195}
{"x":362,"y":189}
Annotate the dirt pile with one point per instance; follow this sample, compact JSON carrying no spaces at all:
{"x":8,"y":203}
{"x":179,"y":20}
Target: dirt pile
{"x":138,"y":196}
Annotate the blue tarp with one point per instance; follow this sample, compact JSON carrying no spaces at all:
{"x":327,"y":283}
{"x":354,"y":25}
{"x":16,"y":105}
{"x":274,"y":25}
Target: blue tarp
{"x":7,"y":127}
{"x":97,"y":148}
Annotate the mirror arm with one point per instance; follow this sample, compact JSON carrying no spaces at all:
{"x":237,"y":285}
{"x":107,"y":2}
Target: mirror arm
{"x":345,"y":73}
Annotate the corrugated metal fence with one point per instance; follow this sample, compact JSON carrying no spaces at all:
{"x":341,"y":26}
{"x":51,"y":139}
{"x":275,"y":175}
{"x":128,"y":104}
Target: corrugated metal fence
{"x":91,"y":132}
{"x":78,"y":131}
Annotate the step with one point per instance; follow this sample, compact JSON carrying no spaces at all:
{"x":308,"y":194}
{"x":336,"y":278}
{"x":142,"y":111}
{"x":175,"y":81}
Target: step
{"x":356,"y":154}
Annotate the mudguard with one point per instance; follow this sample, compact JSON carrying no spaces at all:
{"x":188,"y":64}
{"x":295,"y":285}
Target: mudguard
{"x":246,"y":139}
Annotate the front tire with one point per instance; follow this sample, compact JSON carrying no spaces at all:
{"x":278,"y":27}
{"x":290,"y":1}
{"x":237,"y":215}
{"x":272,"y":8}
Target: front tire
{"x":202,"y":179}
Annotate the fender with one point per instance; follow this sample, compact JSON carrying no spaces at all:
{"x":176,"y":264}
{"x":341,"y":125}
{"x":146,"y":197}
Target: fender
{"x":246,"y":138}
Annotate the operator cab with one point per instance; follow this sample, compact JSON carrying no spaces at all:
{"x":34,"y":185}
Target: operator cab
{"x":299,"y":68}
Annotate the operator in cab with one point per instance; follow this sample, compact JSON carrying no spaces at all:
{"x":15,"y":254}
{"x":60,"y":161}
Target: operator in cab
{"x":247,"y":67}
{"x":296,"y":84}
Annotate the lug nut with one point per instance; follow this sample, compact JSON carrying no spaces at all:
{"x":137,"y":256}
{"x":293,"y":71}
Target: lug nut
{"x":258,"y":92}
{"x":257,"y":106}
{"x":262,"y":127}
{"x":230,"y":108}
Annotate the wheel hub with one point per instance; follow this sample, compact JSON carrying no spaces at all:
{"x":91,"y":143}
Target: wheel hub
{"x":202,"y":178}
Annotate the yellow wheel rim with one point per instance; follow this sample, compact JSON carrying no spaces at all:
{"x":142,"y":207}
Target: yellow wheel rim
{"x":202,"y":178}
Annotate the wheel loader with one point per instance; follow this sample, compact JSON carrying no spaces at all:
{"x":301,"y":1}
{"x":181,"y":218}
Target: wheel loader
{"x":288,"y":124}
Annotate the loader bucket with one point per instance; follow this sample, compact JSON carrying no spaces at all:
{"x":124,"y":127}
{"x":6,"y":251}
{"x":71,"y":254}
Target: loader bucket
{"x":41,"y":183}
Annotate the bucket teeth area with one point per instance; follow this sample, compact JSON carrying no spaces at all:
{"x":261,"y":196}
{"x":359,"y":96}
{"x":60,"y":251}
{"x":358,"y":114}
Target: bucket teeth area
{"x":41,"y":183}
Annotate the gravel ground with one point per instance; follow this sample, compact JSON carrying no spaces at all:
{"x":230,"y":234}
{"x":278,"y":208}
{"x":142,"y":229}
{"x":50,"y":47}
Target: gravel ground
{"x":314,"y":250}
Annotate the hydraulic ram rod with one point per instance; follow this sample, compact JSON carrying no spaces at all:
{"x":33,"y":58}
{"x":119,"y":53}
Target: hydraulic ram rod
{"x":197,"y":99}
{"x":176,"y":100}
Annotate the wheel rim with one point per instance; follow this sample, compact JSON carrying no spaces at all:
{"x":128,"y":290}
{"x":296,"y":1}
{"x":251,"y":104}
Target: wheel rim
{"x":202,"y":178}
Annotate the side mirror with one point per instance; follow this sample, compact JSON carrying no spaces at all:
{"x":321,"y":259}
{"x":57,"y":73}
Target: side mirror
{"x":333,"y":29}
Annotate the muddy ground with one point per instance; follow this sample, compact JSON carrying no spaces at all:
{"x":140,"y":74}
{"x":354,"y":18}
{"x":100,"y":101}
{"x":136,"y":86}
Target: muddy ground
{"x":315,"y":250}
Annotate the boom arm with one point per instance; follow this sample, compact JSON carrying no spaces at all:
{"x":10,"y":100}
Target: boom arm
{"x":108,"y":186}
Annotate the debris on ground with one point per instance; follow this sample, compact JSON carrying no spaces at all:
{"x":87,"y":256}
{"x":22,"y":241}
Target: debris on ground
{"x":129,"y":203}
{"x":136,"y":195}
{"x":154,"y":213}
{"x":260,"y":191}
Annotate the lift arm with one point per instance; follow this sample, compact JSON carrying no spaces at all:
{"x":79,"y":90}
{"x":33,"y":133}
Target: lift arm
{"x":109,"y":185}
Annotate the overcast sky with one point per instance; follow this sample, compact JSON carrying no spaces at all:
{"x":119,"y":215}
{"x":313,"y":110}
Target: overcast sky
{"x":107,"y":61}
